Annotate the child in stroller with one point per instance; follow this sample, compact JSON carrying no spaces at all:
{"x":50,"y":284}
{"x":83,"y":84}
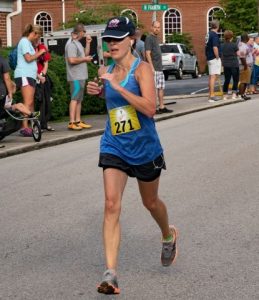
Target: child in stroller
{"x":12,"y":115}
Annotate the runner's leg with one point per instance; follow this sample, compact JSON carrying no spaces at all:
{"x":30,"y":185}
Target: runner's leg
{"x":114,"y":184}
{"x":150,"y":199}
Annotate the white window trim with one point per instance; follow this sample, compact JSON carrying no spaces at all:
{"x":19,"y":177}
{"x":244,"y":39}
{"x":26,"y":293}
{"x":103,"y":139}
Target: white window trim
{"x":218,"y":7}
{"x":181,"y":28}
{"x":40,"y":12}
{"x":130,"y":10}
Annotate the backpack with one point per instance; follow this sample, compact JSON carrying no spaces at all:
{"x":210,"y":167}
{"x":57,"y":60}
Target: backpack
{"x":13,"y":58}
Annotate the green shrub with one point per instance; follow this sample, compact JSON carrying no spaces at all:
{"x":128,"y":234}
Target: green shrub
{"x":184,"y":38}
{"x":61,"y":91}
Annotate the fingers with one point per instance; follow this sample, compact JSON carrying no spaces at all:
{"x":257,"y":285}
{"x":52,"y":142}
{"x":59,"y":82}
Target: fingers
{"x":93,"y":88}
{"x":107,"y":76}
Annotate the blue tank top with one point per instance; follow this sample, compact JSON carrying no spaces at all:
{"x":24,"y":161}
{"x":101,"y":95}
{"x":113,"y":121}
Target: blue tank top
{"x":129,"y":134}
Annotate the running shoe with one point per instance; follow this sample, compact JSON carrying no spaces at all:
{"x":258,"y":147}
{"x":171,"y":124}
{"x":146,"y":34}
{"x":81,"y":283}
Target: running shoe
{"x":214,"y":99}
{"x":74,"y":126}
{"x":169,"y":249}
{"x":26,"y":132}
{"x":235,"y":96}
{"x":245,"y":97}
{"x":164,"y":110}
{"x":84,"y":125}
{"x":109,"y":284}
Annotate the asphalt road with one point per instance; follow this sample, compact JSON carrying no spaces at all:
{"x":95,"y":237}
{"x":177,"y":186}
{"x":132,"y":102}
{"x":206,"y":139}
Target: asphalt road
{"x":51,"y":216}
{"x":189,"y":85}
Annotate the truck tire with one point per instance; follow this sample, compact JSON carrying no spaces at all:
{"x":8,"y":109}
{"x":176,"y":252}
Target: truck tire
{"x":196,"y":72}
{"x":179,"y":74}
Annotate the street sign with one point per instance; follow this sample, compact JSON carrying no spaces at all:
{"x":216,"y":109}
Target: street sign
{"x":154,"y":7}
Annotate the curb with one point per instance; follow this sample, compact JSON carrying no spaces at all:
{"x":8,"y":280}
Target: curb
{"x":98,"y":132}
{"x":189,"y":96}
{"x":194,"y":110}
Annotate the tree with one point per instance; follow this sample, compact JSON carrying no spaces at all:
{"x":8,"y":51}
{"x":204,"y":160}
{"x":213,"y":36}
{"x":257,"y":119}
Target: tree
{"x":239,"y":16}
{"x":96,"y":13}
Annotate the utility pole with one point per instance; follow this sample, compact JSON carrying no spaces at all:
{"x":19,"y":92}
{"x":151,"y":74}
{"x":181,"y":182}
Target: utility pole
{"x":154,"y":12}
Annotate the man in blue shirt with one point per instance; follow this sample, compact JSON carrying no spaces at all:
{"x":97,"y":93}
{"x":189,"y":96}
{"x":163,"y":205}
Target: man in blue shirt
{"x":212,"y":50}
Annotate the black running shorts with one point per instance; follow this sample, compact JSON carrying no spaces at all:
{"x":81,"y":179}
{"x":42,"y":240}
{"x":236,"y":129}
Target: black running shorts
{"x":146,"y":172}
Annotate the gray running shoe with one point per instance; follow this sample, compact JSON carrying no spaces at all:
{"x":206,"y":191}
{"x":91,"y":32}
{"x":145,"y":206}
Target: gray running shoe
{"x":169,"y":249}
{"x":214,"y":99}
{"x":109,"y":284}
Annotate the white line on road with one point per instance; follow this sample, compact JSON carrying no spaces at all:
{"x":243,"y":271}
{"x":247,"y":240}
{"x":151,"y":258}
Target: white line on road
{"x":193,"y":93}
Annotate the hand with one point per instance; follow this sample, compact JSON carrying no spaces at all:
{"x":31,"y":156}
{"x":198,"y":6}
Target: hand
{"x":88,"y":38}
{"x":42,"y":78}
{"x":88,"y":58}
{"x":93,"y":88}
{"x":41,"y":51}
{"x":110,"y":77}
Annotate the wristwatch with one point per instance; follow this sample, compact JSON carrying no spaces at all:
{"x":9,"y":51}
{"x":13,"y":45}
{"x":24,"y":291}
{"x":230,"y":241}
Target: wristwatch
{"x":42,"y":74}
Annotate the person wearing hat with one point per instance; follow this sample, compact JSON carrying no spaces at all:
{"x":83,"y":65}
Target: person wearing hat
{"x":77,"y":73}
{"x":130,"y":144}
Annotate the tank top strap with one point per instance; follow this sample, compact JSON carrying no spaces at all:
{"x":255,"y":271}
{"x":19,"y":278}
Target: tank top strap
{"x":110,"y":67}
{"x":134,"y":65}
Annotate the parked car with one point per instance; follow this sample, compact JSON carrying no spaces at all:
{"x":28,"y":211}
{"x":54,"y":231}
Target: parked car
{"x":177,"y":59}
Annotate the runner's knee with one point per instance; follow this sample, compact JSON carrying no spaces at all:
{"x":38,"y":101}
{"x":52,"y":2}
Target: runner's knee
{"x":112,"y":204}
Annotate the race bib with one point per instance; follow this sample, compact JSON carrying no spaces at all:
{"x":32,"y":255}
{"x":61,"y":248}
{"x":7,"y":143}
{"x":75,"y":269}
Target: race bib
{"x":123,"y":120}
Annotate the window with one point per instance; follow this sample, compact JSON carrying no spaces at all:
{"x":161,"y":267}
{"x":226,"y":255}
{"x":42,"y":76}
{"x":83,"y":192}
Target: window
{"x":167,"y":48}
{"x":211,"y":16}
{"x":172,"y":22}
{"x":131,"y":15}
{"x":44,"y":20}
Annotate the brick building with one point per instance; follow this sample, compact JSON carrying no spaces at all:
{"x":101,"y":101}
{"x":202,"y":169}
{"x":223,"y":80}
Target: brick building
{"x":188,"y":16}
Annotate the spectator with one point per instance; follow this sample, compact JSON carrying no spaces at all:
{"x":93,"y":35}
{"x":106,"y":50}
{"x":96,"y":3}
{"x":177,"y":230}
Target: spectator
{"x":245,"y":63}
{"x":250,"y":44}
{"x":43,"y":87}
{"x":154,"y":58}
{"x":130,"y":145}
{"x":3,"y":91}
{"x":77,"y":73}
{"x":255,"y":72}
{"x":26,"y":70}
{"x":212,"y":51}
{"x":107,"y":55}
{"x":230,"y":63}
{"x":6,"y":85}
{"x":139,"y":50}
{"x":7,"y":89}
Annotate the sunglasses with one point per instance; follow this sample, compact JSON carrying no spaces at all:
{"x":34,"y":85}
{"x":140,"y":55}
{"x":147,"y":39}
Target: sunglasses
{"x":110,"y":39}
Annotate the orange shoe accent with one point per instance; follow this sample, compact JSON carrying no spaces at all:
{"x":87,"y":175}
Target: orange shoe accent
{"x":84,"y":125}
{"x":107,"y":288}
{"x":74,"y":126}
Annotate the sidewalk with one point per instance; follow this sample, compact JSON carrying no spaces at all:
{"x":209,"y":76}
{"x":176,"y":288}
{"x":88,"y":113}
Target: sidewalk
{"x":182,"y":105}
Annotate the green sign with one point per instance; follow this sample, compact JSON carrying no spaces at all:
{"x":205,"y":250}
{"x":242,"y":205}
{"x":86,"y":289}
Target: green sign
{"x":154,"y":7}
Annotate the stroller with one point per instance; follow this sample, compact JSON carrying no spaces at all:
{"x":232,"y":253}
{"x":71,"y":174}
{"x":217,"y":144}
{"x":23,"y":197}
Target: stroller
{"x":11,"y":122}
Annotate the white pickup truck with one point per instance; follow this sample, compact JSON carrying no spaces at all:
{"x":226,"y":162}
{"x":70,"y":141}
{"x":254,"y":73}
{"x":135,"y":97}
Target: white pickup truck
{"x":177,"y":59}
